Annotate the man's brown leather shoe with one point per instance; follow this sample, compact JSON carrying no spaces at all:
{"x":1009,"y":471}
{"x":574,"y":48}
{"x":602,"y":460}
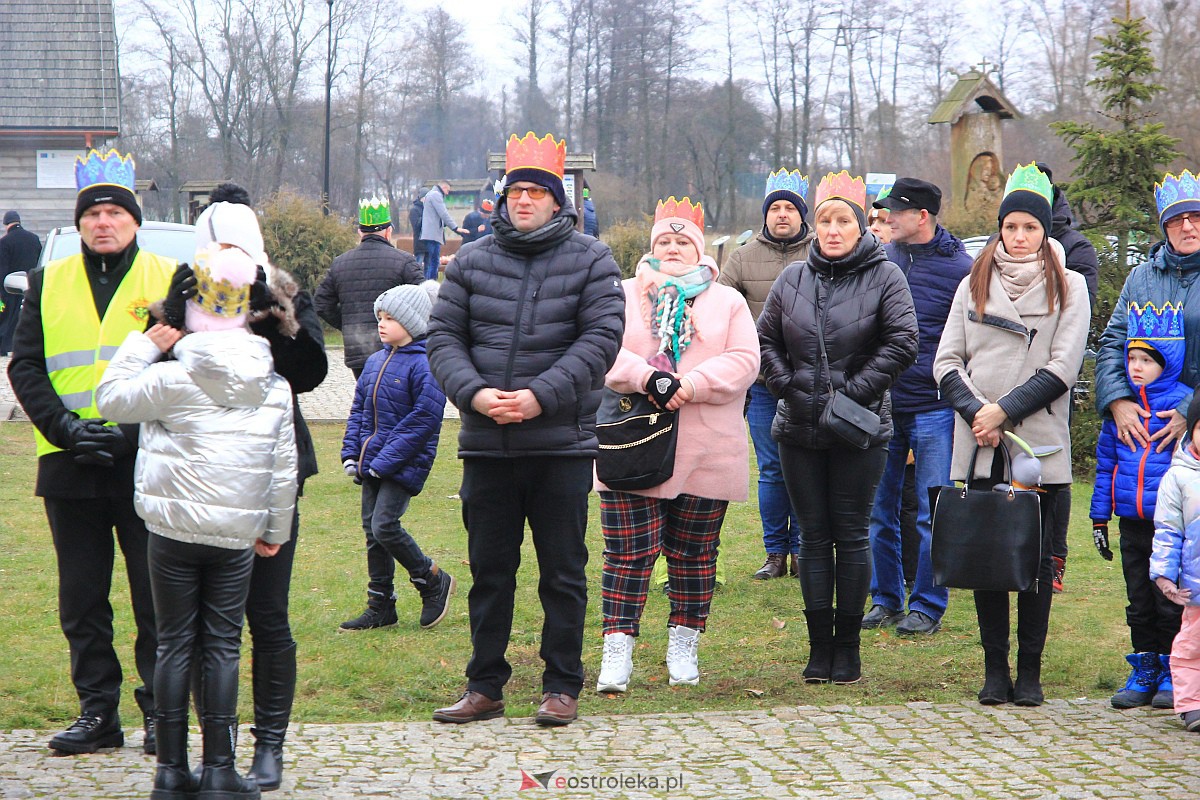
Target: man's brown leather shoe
{"x":471,"y":707}
{"x":557,"y":709}
{"x":774,"y":567}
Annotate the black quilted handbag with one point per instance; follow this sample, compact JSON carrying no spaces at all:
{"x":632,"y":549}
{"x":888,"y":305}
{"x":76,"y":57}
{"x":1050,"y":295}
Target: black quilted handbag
{"x":637,"y":442}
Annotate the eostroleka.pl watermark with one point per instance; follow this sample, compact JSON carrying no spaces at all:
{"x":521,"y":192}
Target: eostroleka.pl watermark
{"x":559,"y":779}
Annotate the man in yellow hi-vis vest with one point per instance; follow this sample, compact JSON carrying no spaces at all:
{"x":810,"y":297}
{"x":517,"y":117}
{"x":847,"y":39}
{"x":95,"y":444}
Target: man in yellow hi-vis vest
{"x":77,"y":311}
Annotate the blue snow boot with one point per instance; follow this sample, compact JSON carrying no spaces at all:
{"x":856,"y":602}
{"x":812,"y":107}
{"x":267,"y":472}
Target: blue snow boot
{"x":1142,"y":685}
{"x":1165,"y":696}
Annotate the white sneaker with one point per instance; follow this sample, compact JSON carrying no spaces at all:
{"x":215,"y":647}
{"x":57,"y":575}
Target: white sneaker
{"x":617,"y":664}
{"x":682,"y":661}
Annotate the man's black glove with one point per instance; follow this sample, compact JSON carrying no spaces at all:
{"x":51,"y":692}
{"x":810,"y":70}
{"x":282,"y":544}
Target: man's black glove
{"x":100,"y":445}
{"x":1100,"y":537}
{"x":661,"y":387}
{"x":183,"y":287}
{"x":261,"y":296}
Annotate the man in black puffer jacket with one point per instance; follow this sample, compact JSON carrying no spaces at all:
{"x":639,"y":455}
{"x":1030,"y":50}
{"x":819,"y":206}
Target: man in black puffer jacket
{"x":527,"y":324}
{"x":346,"y":297}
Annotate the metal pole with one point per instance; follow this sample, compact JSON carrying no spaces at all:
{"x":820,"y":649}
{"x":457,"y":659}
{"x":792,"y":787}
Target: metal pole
{"x":328,"y":93}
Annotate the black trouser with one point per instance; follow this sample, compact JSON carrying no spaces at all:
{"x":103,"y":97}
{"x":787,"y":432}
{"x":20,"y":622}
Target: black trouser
{"x":910,"y":540}
{"x":200,"y":601}
{"x":1153,"y":619}
{"x":498,"y":496}
{"x":1062,"y":519}
{"x":83,"y":543}
{"x":267,"y":603}
{"x":832,"y":491}
{"x":1033,"y":608}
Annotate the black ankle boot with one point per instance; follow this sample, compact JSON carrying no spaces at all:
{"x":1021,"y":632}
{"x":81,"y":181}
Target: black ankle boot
{"x":1028,"y":689}
{"x":820,"y":645}
{"x":274,"y":688}
{"x":847,"y":633}
{"x":172,"y":779}
{"x":220,"y":779}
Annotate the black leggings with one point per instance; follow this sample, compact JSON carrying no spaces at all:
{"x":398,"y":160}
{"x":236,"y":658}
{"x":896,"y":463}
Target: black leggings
{"x":832,"y":492}
{"x":267,"y":603}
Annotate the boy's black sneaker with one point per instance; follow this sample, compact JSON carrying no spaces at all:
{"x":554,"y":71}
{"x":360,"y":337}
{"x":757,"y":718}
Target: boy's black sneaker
{"x":373,"y":617}
{"x":436,"y":592}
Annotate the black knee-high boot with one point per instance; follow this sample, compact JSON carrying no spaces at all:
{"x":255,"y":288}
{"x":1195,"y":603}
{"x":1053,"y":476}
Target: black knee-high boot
{"x":220,"y":779}
{"x":1033,"y":620}
{"x":172,"y":779}
{"x":274,"y":688}
{"x":820,"y":645}
{"x":991,"y":608}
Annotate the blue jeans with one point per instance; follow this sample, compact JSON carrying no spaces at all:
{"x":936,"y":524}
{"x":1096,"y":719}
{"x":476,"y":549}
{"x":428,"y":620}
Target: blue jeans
{"x":781,"y":531}
{"x":383,"y":503}
{"x":930,"y":435}
{"x":433,"y":259}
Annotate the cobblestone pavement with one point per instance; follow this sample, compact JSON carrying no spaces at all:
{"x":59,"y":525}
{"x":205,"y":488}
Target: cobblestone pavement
{"x":1066,"y":749}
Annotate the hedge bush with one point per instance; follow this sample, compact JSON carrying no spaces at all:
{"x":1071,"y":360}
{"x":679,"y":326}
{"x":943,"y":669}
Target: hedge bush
{"x":302,"y":240}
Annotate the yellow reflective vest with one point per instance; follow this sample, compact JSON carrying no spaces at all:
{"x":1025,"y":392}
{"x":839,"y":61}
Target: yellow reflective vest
{"x":78,"y":344}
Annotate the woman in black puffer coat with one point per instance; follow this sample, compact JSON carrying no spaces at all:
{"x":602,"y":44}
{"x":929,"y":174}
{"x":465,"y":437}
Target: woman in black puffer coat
{"x":860,"y":301}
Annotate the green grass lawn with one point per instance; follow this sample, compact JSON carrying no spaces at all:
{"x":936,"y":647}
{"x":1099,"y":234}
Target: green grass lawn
{"x":750,"y":658}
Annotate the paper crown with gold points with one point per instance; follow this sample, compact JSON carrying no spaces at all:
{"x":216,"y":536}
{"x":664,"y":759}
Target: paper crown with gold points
{"x":1151,"y":322}
{"x":1029,"y":190}
{"x":539,"y":161}
{"x":843,"y":186}
{"x":216,"y":293}
{"x":374,"y":213}
{"x":1176,"y":195}
{"x":682,"y":217}
{"x":109,"y":169}
{"x":784,"y":185}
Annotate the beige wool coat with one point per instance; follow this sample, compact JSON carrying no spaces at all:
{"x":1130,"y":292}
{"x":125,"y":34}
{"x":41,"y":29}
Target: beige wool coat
{"x":995,"y":354}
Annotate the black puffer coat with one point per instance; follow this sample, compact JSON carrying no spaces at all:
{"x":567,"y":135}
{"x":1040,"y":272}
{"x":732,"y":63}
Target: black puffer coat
{"x":549,"y":321}
{"x":346,"y":297}
{"x":863,"y":302}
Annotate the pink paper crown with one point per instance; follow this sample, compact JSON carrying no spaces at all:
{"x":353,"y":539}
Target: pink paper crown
{"x":842,"y":186}
{"x":530,"y":152}
{"x":680,"y":209}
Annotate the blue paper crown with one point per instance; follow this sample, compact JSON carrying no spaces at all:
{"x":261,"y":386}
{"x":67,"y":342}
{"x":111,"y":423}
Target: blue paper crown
{"x":784,"y":181}
{"x":1151,"y":322}
{"x":111,"y":169}
{"x":1174,"y":190}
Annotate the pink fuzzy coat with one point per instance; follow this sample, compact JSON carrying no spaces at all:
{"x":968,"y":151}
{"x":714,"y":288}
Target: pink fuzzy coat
{"x":712,"y":457}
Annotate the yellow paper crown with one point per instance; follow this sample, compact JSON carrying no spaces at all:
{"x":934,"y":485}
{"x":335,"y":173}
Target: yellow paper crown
{"x":530,"y":152}
{"x":221,"y":298}
{"x":680,"y":209}
{"x":842,"y":186}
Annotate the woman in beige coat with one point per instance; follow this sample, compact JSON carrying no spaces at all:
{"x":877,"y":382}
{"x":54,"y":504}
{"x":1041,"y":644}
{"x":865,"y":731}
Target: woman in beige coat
{"x":1011,"y":350}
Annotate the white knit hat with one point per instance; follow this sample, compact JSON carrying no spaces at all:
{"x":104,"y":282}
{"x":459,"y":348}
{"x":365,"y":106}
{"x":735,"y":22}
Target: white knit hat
{"x":234,"y":224}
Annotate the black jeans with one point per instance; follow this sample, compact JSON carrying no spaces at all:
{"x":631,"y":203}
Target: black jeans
{"x":498,"y":496}
{"x":833,"y":491}
{"x":83,"y":543}
{"x":383,"y":504}
{"x":1153,"y":619}
{"x":267,"y":603}
{"x":200,"y":601}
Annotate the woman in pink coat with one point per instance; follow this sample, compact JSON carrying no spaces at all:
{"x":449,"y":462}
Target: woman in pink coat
{"x":691,"y":346}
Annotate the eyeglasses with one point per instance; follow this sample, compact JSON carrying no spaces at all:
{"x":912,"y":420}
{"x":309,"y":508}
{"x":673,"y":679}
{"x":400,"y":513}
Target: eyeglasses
{"x":1175,"y":223}
{"x":535,"y":192}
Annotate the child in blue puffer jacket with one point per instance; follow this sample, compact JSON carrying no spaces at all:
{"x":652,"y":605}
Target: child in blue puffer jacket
{"x":390,"y":443}
{"x":1175,"y":565}
{"x":1127,"y":481}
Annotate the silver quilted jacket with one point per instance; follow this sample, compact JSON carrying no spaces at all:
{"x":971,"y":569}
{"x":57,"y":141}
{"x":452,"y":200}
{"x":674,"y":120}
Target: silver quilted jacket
{"x":216,"y":463}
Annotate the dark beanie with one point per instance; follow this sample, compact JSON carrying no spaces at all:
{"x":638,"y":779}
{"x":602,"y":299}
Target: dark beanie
{"x":1029,"y":202}
{"x":107,"y":193}
{"x":1193,"y":415}
{"x":791,"y":197}
{"x":542,"y":178}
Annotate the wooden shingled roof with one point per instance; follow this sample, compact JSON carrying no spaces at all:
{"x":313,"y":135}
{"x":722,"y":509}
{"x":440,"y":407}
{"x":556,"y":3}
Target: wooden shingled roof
{"x":973,"y":89}
{"x":58,"y":66}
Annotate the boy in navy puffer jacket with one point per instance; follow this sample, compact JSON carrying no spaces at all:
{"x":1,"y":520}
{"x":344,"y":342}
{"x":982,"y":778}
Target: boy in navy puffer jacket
{"x":390,"y":443}
{"x":1127,"y":481}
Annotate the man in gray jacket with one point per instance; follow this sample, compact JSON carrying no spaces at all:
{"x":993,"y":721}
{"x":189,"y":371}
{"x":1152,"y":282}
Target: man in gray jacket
{"x":527,"y":324}
{"x":752,"y":270}
{"x":433,"y":224}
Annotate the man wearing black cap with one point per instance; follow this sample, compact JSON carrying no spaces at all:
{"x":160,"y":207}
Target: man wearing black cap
{"x":19,"y":251}
{"x":935,"y":262}
{"x":77,"y":311}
